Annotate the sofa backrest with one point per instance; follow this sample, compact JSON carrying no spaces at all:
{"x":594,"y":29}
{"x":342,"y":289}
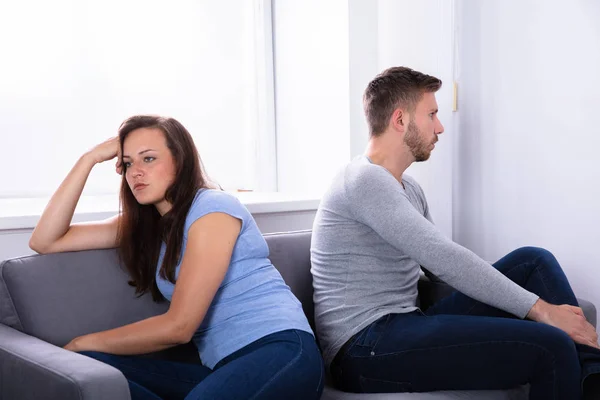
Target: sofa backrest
{"x":56,"y":297}
{"x":290,"y":254}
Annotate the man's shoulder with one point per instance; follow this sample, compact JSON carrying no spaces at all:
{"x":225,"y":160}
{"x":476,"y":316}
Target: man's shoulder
{"x":360,"y":172}
{"x":413,"y":185}
{"x":352,"y":178}
{"x":410,"y":180}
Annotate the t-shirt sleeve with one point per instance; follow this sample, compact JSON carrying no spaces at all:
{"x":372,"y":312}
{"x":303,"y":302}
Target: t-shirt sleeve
{"x":377,"y":200}
{"x":214,"y":201}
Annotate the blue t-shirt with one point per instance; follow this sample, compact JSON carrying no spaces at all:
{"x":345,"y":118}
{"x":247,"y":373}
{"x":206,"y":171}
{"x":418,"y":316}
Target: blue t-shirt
{"x":253,"y":300}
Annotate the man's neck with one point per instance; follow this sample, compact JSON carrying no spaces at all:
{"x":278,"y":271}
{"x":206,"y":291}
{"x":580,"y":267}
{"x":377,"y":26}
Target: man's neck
{"x":394,"y":159}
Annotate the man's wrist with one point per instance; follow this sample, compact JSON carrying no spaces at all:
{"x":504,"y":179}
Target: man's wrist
{"x":540,"y":311}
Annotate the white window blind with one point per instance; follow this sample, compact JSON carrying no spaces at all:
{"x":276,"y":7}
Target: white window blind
{"x":72,"y":70}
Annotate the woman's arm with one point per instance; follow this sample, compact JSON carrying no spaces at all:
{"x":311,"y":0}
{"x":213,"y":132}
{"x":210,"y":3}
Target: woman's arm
{"x":211,"y":239}
{"x":54,"y":231}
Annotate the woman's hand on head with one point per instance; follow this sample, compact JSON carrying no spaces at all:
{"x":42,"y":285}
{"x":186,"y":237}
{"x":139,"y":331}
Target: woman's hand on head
{"x":107,"y":151}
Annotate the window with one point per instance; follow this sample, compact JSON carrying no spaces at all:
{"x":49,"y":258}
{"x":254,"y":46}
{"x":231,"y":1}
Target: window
{"x":73,"y":70}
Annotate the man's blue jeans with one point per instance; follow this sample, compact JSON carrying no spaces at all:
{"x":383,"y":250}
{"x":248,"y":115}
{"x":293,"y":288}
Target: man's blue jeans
{"x":282,"y":365}
{"x":462,"y":344}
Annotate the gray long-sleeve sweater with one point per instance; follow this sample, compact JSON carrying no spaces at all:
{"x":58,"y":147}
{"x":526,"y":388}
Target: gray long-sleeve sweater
{"x":370,"y":238}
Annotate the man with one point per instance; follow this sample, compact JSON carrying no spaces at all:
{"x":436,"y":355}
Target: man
{"x":371,"y":235}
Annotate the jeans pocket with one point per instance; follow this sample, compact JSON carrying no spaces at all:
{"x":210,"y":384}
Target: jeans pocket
{"x":370,"y":336}
{"x":371,"y":385}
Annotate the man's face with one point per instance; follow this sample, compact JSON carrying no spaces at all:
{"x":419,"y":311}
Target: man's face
{"x":423,"y":129}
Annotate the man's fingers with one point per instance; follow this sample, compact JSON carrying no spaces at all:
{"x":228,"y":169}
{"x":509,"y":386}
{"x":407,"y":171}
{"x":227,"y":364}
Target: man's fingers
{"x":587,"y":341}
{"x":578,"y":311}
{"x":592,"y":337}
{"x":573,"y":309}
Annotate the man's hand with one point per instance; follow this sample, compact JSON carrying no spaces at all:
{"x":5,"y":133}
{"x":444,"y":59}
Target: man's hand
{"x":567,"y":318}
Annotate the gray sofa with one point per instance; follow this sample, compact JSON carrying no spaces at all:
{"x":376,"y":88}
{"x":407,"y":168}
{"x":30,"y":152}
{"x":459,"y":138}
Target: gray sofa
{"x":47,"y":300}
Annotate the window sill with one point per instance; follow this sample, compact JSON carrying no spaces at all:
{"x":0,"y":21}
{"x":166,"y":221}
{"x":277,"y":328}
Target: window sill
{"x":25,"y":213}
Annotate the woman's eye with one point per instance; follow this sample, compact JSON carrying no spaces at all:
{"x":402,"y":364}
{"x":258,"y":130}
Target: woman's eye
{"x":148,"y":159}
{"x":127,"y":164}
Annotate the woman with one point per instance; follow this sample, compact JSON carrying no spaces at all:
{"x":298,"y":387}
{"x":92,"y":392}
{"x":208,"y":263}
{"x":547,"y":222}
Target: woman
{"x":200,"y":249}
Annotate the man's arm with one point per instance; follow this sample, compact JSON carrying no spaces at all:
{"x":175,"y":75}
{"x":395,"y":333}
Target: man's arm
{"x":427,"y":214}
{"x":377,"y":200}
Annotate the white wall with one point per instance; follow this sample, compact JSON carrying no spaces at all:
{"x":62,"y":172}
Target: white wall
{"x":517,"y":168}
{"x":363,"y":22}
{"x":311,"y":92}
{"x":325,"y":55}
{"x":73,"y":70}
{"x":419,"y":34}
{"x":528,"y":144}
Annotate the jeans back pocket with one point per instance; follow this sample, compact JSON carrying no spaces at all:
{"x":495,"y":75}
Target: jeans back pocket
{"x":368,"y":338}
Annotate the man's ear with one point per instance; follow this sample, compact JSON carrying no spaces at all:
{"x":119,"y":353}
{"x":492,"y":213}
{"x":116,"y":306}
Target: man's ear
{"x":399,"y":119}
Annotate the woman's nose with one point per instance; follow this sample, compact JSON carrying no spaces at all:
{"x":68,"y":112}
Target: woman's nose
{"x":135,"y":171}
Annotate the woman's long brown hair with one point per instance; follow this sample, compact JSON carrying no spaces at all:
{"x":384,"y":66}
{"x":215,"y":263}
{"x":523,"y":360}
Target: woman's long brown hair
{"x":142,"y":229}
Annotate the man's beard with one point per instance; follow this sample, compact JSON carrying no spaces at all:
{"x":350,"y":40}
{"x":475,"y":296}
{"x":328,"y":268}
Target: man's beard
{"x":416,"y":143}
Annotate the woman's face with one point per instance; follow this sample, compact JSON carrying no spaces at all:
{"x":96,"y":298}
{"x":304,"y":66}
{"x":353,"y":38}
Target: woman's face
{"x":149,"y":167}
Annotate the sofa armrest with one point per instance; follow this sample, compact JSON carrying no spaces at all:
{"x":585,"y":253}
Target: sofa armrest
{"x":589,"y":309}
{"x":33,"y":369}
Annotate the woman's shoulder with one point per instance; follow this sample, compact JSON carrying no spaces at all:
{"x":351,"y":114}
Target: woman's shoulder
{"x":215,"y":195}
{"x":216,"y":200}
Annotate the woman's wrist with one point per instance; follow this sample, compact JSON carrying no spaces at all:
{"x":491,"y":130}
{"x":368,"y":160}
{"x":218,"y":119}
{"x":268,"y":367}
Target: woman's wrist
{"x":81,"y":343}
{"x":89,"y":159}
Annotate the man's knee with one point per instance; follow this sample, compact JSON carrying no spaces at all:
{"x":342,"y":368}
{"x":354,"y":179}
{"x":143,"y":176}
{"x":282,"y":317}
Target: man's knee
{"x":533,"y":252}
{"x":537,"y":255}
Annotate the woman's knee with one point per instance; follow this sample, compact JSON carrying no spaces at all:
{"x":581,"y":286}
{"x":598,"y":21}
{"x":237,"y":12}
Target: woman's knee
{"x":99,"y":356}
{"x":91,"y":354}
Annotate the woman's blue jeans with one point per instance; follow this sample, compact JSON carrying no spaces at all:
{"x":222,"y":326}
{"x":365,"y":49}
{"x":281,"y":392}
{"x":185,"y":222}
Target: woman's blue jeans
{"x":462,"y":344}
{"x":283,"y":365}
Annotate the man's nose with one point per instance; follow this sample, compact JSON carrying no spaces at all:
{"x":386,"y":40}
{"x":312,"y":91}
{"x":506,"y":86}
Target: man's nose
{"x":440,"y":129}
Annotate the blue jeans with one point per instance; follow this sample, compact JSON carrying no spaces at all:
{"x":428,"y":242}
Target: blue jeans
{"x":462,"y":344}
{"x":285,"y":364}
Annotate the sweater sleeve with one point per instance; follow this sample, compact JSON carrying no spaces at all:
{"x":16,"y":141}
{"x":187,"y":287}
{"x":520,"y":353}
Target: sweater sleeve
{"x":378,"y":201}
